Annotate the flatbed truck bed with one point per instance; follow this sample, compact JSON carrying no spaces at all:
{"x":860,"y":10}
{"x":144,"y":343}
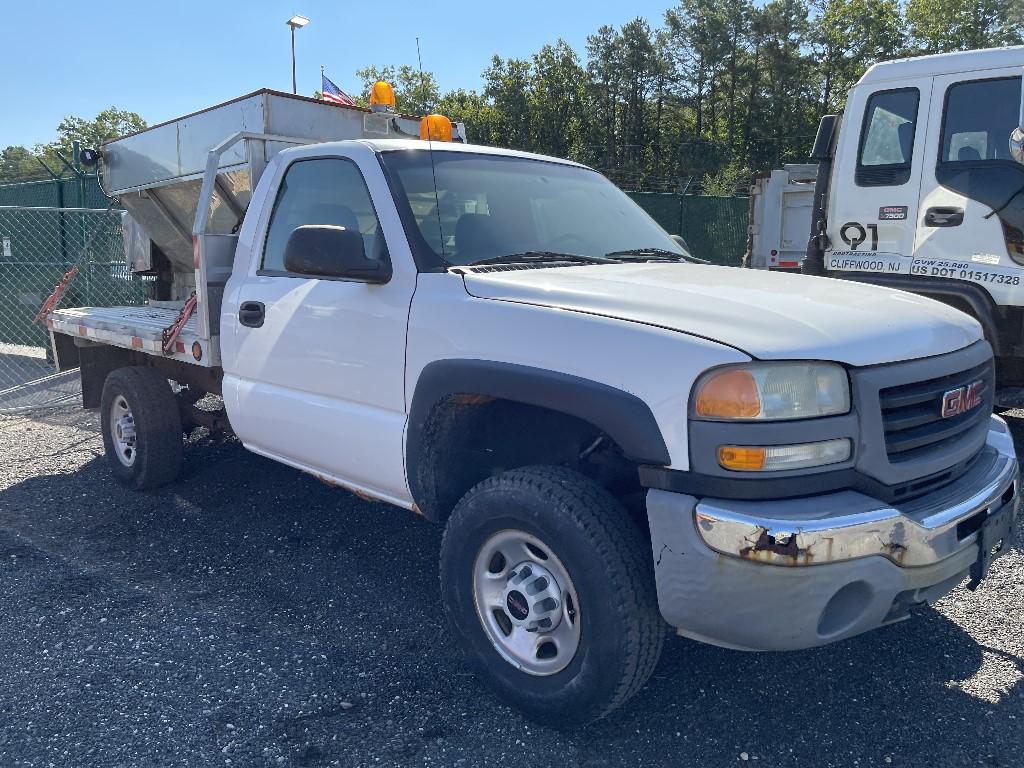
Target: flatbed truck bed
{"x":137,"y":328}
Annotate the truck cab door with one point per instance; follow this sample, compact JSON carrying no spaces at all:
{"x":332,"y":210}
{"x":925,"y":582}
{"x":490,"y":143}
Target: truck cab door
{"x":314,"y":368}
{"x":971,"y":207}
{"x":876,"y":178}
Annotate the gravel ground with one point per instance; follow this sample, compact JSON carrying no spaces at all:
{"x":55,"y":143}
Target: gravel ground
{"x":21,"y":364}
{"x":250,"y":615}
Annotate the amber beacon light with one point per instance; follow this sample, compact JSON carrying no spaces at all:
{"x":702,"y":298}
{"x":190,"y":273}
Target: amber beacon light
{"x":382,"y":97}
{"x":436,"y":128}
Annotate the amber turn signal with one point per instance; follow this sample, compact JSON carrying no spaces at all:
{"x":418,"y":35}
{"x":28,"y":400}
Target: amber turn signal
{"x":731,"y":394}
{"x":774,"y":458}
{"x":746,"y":459}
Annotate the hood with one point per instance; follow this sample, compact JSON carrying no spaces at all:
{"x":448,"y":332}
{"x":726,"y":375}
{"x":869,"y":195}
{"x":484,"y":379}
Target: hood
{"x":768,"y":315}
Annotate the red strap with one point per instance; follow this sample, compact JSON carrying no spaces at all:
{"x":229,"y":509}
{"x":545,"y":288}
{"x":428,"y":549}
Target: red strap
{"x":50,"y":304}
{"x":171,"y":332}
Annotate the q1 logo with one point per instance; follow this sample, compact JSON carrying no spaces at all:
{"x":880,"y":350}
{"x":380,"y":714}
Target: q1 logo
{"x":853,"y":234}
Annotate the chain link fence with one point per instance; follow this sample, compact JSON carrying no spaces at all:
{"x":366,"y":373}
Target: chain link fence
{"x":39,"y":246}
{"x":715,"y":228}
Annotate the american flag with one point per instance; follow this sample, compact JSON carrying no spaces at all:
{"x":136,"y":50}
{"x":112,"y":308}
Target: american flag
{"x":333,"y":93}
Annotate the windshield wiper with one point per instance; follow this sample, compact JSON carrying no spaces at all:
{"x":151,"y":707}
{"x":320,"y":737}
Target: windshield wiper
{"x":532,"y":256}
{"x":648,"y":254}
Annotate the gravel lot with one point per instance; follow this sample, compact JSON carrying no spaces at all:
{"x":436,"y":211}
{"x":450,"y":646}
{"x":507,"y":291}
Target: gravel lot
{"x":250,"y":615}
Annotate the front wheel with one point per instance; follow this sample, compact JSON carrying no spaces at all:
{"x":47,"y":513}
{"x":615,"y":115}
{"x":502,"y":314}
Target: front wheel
{"x":549,"y":586}
{"x":141,"y":426}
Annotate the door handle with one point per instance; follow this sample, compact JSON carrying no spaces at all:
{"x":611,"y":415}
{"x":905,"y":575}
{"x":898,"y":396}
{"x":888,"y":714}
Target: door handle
{"x":944,"y":216}
{"x":251,"y":314}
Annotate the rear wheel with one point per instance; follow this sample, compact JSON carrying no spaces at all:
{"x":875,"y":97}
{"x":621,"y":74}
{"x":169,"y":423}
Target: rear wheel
{"x":141,"y":426}
{"x":549,"y":586}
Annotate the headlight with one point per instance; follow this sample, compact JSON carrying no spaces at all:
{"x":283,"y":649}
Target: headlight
{"x":773,"y":391}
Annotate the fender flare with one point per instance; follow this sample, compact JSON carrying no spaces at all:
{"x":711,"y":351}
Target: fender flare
{"x":624,"y":417}
{"x":976,"y":297}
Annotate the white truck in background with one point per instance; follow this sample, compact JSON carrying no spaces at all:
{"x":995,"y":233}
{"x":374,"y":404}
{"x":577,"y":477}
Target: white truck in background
{"x":506,"y":344}
{"x":920,"y":187}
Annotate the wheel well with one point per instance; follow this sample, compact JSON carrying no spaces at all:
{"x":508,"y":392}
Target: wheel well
{"x":1009,"y":366}
{"x":468,"y":438}
{"x":957,"y":303}
{"x":960,"y":303}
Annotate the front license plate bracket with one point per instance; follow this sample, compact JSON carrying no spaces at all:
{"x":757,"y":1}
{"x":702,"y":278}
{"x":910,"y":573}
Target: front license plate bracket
{"x":994,"y":538}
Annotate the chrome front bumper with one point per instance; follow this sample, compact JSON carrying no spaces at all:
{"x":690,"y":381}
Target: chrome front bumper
{"x":848,"y":525}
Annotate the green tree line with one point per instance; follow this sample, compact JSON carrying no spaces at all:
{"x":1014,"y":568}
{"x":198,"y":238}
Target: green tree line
{"x":716,"y":89}
{"x":719,"y":88}
{"x":57,"y":159}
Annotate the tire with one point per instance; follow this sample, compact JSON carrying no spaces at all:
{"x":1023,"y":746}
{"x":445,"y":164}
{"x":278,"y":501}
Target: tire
{"x":143,"y":397}
{"x":582,"y":529}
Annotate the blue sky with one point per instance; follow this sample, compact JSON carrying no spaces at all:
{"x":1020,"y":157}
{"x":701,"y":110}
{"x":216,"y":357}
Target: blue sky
{"x":165,"y":58}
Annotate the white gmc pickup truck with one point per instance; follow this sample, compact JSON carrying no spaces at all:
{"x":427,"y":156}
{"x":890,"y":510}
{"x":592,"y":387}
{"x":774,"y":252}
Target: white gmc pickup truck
{"x":507,"y":345}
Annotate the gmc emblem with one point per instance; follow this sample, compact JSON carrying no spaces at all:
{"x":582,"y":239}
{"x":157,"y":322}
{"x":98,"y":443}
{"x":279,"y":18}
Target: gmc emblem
{"x":963,"y":399}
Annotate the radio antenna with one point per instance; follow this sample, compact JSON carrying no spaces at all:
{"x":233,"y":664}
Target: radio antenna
{"x":430,"y":147}
{"x":419,"y":62}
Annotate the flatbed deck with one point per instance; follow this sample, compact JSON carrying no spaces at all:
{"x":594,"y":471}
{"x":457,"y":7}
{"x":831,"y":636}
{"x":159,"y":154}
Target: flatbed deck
{"x":139,"y":328}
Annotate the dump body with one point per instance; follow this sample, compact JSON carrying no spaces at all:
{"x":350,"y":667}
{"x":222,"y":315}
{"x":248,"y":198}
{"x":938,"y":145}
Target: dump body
{"x":187,"y":183}
{"x":781,"y":217}
{"x":157,"y":174}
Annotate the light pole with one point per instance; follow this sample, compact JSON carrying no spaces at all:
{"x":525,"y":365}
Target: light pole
{"x":295,"y":22}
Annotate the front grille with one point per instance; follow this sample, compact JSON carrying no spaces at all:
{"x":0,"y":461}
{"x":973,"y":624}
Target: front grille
{"x":903,"y":493}
{"x":912,"y":413}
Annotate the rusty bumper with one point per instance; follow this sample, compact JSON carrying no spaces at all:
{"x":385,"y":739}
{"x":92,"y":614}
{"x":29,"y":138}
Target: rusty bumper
{"x":788,"y":574}
{"x":845,"y":526}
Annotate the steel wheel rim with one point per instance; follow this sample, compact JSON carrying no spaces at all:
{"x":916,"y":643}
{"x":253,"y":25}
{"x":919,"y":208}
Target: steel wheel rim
{"x":122,"y":431}
{"x":498,"y":572}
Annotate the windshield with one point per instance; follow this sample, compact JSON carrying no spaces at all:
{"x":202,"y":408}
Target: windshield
{"x":489,"y":206}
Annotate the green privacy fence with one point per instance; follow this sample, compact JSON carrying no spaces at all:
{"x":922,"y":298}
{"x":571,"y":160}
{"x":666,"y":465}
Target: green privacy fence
{"x":81,"y":192}
{"x":715,"y":228}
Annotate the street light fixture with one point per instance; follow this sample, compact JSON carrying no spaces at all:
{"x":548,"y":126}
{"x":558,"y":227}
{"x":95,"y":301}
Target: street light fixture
{"x":295,"y":22}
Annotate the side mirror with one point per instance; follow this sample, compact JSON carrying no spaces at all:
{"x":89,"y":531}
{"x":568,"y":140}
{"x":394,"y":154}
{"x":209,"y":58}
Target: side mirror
{"x":824,"y":139}
{"x":322,"y":250}
{"x":681,"y":243}
{"x":1017,"y":134}
{"x":1017,"y":144}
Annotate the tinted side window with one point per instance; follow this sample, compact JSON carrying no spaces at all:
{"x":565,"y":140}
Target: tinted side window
{"x":322,"y":191}
{"x":978,"y":118}
{"x":887,"y":138}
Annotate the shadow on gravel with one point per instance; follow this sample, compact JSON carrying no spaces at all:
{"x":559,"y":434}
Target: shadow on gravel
{"x":331,"y":644}
{"x":17,"y":369}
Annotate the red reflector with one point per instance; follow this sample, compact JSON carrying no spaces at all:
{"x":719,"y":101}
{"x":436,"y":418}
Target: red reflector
{"x":789,"y":263}
{"x":179,"y":346}
{"x":136,"y":342}
{"x":81,"y":331}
